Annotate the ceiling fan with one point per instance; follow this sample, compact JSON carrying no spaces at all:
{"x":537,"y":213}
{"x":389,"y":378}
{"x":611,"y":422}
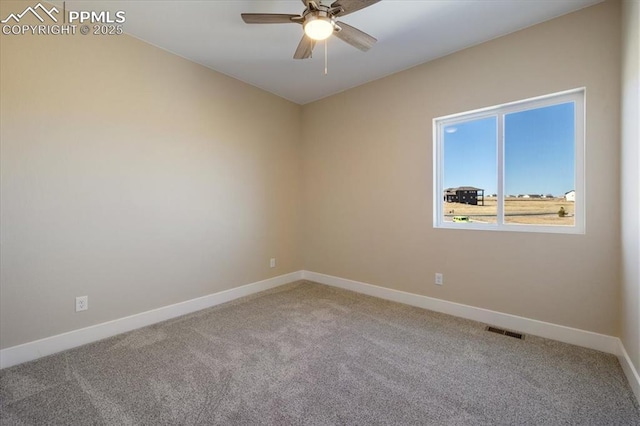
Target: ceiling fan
{"x":319,"y":23}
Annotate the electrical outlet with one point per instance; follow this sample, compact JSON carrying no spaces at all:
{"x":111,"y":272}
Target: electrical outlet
{"x":272,"y":262}
{"x":439,"y":278}
{"x":82,"y":303}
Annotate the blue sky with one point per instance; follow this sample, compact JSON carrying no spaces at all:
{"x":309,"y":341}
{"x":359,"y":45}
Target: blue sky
{"x":539,"y":152}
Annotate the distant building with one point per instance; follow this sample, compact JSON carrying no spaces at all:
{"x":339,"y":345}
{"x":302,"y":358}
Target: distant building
{"x":570,"y":196}
{"x":464,"y":195}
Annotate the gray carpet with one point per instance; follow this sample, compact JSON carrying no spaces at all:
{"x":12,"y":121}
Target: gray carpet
{"x":307,"y":354}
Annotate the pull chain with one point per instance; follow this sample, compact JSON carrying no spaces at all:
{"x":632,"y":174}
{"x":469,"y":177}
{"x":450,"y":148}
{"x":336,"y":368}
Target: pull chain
{"x":326,"y":58}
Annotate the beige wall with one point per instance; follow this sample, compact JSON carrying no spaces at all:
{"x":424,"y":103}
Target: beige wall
{"x":630,"y":180}
{"x":141,"y":179}
{"x":134,"y":177}
{"x":367,"y":168}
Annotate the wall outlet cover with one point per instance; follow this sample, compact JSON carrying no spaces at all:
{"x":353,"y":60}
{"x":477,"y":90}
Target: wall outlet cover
{"x":82,"y":303}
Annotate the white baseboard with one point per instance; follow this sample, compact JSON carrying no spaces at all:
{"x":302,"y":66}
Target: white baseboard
{"x":561,"y":333}
{"x":629,"y":369}
{"x":50,"y":345}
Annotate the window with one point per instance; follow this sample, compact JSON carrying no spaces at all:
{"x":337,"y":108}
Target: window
{"x":515,"y":167}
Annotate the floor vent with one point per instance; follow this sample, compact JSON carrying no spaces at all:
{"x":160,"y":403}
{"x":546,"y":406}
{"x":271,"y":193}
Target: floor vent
{"x":505,"y":332}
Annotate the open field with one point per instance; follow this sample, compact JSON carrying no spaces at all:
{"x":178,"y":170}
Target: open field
{"x":535,"y":211}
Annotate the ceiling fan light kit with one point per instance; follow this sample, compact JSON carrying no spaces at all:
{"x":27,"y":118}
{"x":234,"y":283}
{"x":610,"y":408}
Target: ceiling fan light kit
{"x":318,"y":27}
{"x":319,"y":23}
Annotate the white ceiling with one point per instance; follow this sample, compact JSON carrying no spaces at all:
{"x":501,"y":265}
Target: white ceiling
{"x":211,"y":33}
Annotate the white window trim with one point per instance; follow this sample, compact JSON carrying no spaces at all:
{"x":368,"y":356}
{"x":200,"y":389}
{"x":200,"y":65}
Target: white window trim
{"x":578,"y":96}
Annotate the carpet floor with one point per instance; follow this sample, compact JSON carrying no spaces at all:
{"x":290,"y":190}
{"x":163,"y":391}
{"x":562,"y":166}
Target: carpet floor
{"x":308,"y":354}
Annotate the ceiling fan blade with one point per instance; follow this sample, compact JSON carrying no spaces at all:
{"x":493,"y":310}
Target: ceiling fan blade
{"x":355,"y":37}
{"x":312,"y":4}
{"x":305,"y":48}
{"x":268,"y":18}
{"x":350,"y":6}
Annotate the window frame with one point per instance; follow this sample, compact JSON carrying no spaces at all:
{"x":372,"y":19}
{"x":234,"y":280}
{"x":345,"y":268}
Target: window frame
{"x":578,"y":97}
